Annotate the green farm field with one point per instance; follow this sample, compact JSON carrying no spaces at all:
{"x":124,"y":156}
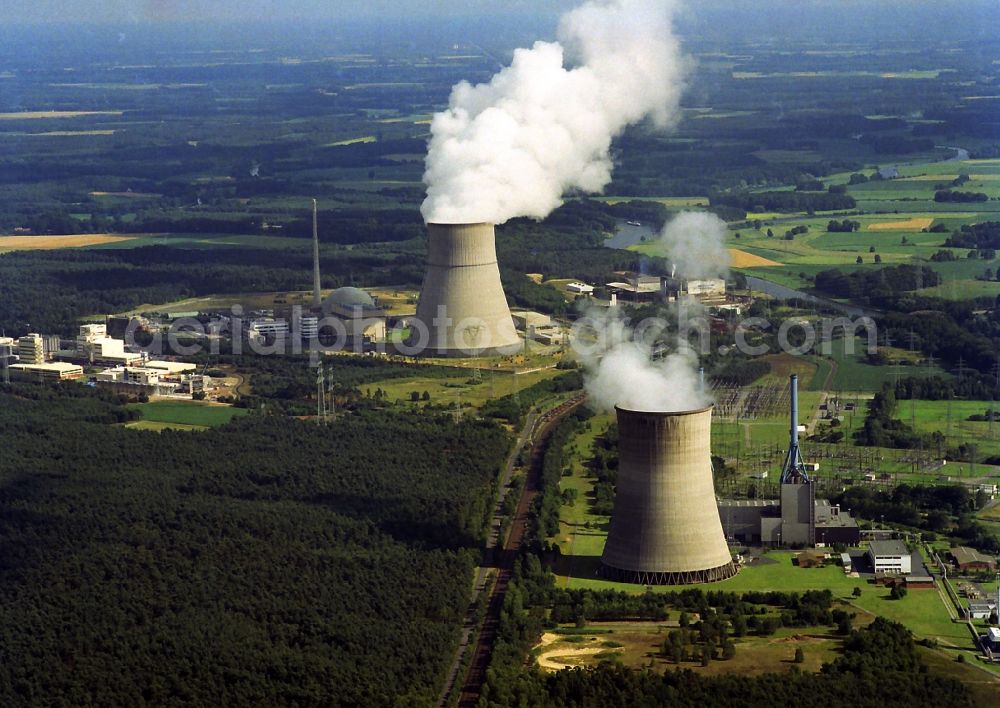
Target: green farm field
{"x":894,"y":215}
{"x":184,"y":415}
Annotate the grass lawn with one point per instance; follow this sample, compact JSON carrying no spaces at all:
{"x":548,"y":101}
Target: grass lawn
{"x":855,"y":374}
{"x":929,"y":416}
{"x":185,"y":414}
{"x":964,"y":289}
{"x":922,"y":612}
{"x":465,"y":389}
{"x":575,"y":539}
{"x":157,"y":426}
{"x":580,"y":572}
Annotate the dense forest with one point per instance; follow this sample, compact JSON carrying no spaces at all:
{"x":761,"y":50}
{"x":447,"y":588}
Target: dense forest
{"x":270,"y":561}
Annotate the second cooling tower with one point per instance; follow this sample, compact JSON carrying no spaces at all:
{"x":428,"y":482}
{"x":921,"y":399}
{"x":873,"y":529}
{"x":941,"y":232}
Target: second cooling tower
{"x":666,"y":528}
{"x":462,"y":309}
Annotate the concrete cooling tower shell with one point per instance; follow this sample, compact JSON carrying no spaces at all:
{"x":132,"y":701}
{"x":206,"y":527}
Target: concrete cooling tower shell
{"x":666,"y":528}
{"x":462,"y":283}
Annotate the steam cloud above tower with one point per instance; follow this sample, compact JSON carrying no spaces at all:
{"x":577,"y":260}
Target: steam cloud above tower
{"x":620,"y":370}
{"x":696,"y":243}
{"x":543,"y":125}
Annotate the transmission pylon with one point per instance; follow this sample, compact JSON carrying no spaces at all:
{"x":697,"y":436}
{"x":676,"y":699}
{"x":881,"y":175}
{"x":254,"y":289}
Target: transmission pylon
{"x":320,"y":396}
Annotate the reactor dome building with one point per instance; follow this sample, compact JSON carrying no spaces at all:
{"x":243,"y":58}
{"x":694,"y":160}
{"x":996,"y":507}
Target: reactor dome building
{"x":665,"y":529}
{"x":462,"y":310}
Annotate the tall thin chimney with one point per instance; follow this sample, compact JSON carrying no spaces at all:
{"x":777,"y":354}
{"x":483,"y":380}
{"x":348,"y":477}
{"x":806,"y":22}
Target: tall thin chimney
{"x":794,"y":468}
{"x":317,"y":298}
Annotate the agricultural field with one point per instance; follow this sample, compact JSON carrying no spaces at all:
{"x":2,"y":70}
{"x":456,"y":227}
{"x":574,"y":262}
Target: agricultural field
{"x":47,"y":243}
{"x":894,"y":214}
{"x":184,"y":415}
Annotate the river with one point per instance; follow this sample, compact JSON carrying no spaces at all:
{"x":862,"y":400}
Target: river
{"x":629,"y":235}
{"x":785,"y":293}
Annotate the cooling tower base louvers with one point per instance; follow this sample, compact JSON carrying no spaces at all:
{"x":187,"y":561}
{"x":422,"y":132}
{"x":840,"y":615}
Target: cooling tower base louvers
{"x":682,"y":577}
{"x":665,"y":529}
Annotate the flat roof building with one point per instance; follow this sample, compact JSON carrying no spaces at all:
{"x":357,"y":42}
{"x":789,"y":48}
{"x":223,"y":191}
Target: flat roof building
{"x":173,"y":367}
{"x":54,"y":371}
{"x":890,"y":557}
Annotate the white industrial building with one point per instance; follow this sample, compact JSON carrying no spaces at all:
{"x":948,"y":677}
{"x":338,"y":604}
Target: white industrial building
{"x":982,"y":610}
{"x":267,"y":329}
{"x":580,"y":288}
{"x":95,"y":346}
{"x":8,"y":347}
{"x":890,"y":557}
{"x":173,"y":367}
{"x":31,"y":349}
{"x":635,"y":287}
{"x":156,"y":380}
{"x":47,"y":371}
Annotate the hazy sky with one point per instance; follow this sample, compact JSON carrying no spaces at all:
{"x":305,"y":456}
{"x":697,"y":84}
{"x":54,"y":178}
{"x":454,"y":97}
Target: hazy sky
{"x":714,"y":20}
{"x":118,"y":11}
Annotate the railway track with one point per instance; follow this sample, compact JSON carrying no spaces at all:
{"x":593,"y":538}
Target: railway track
{"x":507,"y":554}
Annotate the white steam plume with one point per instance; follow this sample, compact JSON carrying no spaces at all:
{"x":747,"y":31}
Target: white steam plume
{"x":620,"y":371}
{"x":696,"y":243}
{"x":544,"y":125}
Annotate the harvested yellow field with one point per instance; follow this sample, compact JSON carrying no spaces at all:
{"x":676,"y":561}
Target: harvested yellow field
{"x":742,"y":259}
{"x":44,"y":243}
{"x":126,"y":195}
{"x":914,"y":224}
{"x":33,"y":115}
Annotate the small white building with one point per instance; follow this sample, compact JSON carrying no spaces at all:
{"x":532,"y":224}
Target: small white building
{"x":891,"y":557}
{"x":525,"y":319}
{"x":847,"y":562}
{"x":580,"y":288}
{"x":263,"y":329}
{"x":982,"y":610}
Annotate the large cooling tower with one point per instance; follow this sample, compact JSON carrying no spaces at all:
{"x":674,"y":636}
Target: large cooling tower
{"x":462,"y":310}
{"x":666,"y":528}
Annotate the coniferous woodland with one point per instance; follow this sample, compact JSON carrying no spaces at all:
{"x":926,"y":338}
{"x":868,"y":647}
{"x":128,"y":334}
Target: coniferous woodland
{"x":271,"y":561}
